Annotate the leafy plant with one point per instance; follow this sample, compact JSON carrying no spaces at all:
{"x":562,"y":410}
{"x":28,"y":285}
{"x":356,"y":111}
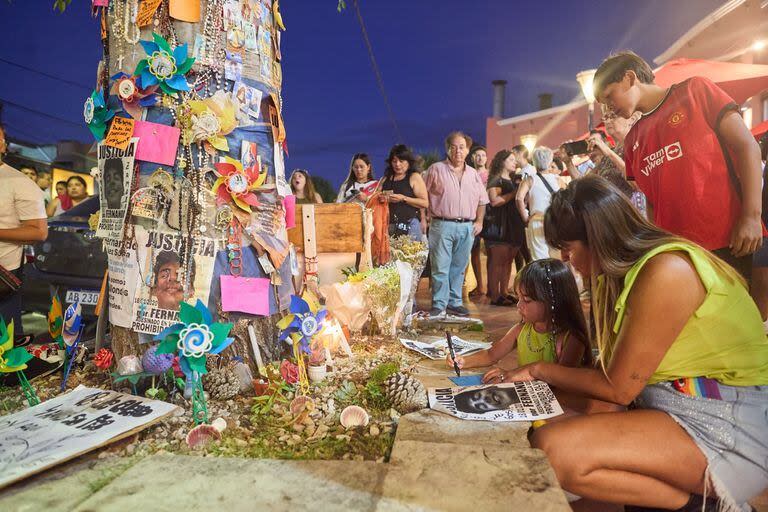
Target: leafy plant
{"x":61,"y":5}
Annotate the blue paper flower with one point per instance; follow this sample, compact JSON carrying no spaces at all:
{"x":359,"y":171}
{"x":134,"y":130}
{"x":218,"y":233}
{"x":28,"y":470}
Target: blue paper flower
{"x":194,"y":338}
{"x":164,"y":66}
{"x":302,"y":324}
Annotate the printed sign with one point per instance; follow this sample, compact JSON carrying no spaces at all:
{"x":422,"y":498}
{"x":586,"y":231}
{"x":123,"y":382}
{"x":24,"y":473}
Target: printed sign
{"x":122,"y":279}
{"x":69,"y":425}
{"x":116,"y":178}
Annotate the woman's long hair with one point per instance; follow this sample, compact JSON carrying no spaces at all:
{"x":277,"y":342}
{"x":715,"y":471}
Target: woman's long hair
{"x":309,"y":187}
{"x":594,"y":212}
{"x":551,"y":282}
{"x":497,"y":164}
{"x":351,"y":180}
{"x":402,"y":152}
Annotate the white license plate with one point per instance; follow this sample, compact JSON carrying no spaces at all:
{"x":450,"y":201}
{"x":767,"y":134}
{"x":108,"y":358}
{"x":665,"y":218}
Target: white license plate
{"x":86,"y":297}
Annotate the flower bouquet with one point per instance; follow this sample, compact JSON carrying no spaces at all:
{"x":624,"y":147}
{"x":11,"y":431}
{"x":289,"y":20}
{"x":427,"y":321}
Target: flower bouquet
{"x":403,"y":248}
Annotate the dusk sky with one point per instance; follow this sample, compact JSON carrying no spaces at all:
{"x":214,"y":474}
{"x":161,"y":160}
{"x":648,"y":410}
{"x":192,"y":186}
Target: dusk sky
{"x":437,"y":59}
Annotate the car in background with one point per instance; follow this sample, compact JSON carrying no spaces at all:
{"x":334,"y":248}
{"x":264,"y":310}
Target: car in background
{"x":70,"y":262}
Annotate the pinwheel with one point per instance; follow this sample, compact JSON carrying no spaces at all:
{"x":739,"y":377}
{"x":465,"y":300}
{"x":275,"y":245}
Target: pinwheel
{"x":164,"y":66}
{"x":96,"y":114}
{"x":71,"y":333}
{"x":301,"y":326}
{"x":15,"y":360}
{"x":193,"y":339}
{"x":133,"y":97}
{"x":55,"y":321}
{"x":208,"y":121}
{"x":237,"y":185}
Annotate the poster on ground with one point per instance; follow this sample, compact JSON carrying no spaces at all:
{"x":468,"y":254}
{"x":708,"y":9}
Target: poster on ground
{"x":69,"y":425}
{"x":116,"y":170}
{"x":512,"y":401}
{"x":438,"y":349}
{"x":169,"y":271}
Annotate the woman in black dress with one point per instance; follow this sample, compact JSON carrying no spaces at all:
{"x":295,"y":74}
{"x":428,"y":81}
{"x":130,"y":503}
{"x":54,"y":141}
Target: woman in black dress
{"x":404,"y":189}
{"x":503,"y":229}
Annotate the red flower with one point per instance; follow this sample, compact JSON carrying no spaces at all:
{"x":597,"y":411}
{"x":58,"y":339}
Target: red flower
{"x":289,"y":372}
{"x":104,"y":359}
{"x":176,"y":368}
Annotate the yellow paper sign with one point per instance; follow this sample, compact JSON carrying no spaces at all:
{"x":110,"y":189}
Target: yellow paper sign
{"x":185,"y":10}
{"x":146,"y":11}
{"x":120,"y":133}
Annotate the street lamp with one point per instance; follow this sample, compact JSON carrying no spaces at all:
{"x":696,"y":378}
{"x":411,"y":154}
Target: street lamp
{"x":585,"y":79}
{"x":529,"y":141}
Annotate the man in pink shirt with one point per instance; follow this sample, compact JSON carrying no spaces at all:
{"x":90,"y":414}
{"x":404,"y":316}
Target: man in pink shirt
{"x":457,"y":200}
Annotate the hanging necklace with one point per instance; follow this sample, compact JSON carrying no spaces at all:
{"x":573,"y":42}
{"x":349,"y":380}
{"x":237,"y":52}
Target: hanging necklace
{"x":131,"y":32}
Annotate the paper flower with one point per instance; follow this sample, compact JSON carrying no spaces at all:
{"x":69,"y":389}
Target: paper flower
{"x":237,"y":185}
{"x":289,"y":372}
{"x":96,"y":114}
{"x":194,"y":338}
{"x":104,"y":359}
{"x":304,"y":322}
{"x":209,"y":120}
{"x":11,"y":359}
{"x":55,"y":321}
{"x":163,"y":66}
{"x":129,"y":91}
{"x":73,"y":324}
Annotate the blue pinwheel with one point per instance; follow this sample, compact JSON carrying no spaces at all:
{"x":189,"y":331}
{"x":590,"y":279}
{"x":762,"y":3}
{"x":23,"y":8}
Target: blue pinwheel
{"x":164,"y":66}
{"x":96,"y":114}
{"x":193,"y":339}
{"x":303,"y":323}
{"x":71,"y":333}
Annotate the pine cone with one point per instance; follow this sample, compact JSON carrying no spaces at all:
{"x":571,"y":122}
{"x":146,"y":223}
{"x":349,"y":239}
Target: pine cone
{"x":222,"y":383}
{"x":405,"y":393}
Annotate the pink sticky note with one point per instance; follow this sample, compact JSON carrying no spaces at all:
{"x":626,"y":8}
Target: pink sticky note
{"x":289,"y":203}
{"x":157,"y":142}
{"x":101,"y":3}
{"x":245,"y":294}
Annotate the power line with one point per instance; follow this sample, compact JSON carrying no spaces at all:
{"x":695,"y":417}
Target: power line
{"x":377,"y":72}
{"x":43,"y":73}
{"x":39,"y":112}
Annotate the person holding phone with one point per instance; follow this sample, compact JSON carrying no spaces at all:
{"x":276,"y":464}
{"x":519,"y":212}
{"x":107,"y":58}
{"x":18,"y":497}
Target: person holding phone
{"x":403,"y":188}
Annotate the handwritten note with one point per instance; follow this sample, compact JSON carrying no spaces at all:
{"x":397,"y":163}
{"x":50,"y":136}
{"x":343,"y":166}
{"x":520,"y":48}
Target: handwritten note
{"x":146,"y":11}
{"x":120,"y":133}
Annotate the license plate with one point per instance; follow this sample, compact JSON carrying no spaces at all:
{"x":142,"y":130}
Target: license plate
{"x":86,"y":297}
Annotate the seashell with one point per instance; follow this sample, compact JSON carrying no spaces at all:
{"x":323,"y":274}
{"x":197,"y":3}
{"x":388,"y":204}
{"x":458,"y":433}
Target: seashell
{"x":155,"y":363}
{"x":220,"y":424}
{"x":201,"y":435}
{"x":129,"y":365}
{"x":353,"y":416}
{"x":300,"y":404}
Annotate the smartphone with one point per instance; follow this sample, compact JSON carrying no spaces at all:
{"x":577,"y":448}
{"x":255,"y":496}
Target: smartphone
{"x":578,"y":147}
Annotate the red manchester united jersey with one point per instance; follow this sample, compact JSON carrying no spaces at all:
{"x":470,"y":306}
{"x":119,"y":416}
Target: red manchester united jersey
{"x":674,"y":155}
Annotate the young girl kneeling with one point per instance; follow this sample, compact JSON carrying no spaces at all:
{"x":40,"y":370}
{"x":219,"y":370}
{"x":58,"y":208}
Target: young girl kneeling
{"x":552,"y":329}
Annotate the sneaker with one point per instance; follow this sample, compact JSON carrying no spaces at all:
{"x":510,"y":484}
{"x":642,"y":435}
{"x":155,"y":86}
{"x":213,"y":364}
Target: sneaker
{"x":457,"y":310}
{"x":436,"y":314}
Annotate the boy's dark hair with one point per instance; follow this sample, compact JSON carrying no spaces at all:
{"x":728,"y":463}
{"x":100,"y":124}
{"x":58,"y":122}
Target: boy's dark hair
{"x":614,"y":68}
{"x":551,"y":282}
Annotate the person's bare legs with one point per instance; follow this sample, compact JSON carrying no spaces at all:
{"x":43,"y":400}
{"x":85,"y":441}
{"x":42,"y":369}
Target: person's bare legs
{"x":509,"y":260}
{"x":495,"y":265}
{"x":639,"y":457}
{"x":478,"y":270}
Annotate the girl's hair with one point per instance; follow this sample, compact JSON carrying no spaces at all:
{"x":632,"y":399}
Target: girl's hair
{"x":497,"y":164}
{"x":470,"y":157}
{"x":550,"y":281}
{"x":594,"y":212}
{"x":61,"y":182}
{"x":402,"y":152}
{"x":351,"y":176}
{"x":309,"y":187}
{"x":77,"y":178}
{"x":542,"y":158}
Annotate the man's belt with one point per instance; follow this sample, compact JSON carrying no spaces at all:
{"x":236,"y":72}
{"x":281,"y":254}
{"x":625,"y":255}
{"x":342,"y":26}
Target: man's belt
{"x":454,"y":220}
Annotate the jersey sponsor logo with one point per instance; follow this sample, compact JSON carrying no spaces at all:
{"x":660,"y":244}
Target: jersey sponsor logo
{"x":676,"y":118}
{"x":670,"y":152}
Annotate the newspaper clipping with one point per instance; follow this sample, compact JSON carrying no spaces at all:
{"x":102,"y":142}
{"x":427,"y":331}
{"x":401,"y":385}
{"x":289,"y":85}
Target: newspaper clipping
{"x":116,"y":177}
{"x":513,"y":401}
{"x":166,"y":277}
{"x":439,"y":349}
{"x":123,"y":276}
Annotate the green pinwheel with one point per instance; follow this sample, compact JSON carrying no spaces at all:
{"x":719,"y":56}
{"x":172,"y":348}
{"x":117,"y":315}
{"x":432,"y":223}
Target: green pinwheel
{"x":164,"y":66}
{"x":15,"y":360}
{"x":96,"y":114}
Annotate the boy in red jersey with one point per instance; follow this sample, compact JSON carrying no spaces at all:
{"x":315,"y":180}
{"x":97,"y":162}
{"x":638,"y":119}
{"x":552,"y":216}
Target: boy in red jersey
{"x":692,"y":156}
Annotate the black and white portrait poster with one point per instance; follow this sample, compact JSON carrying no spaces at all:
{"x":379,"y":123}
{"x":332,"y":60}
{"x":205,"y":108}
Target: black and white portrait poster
{"x":69,"y":425}
{"x":115,"y":181}
{"x":511,"y":401}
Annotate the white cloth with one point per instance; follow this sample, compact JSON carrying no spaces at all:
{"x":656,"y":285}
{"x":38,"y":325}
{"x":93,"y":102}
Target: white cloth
{"x":346,"y":195}
{"x":537,"y":243}
{"x":539,"y":197}
{"x":20,"y":199}
{"x":528,"y":171}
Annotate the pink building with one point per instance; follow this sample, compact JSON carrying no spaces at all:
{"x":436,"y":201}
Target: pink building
{"x":735,"y":32}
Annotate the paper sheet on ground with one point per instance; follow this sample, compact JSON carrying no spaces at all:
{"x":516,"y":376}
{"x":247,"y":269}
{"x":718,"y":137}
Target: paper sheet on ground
{"x":439,"y":349}
{"x":513,"y":401}
{"x":69,"y":425}
{"x":468,"y":380}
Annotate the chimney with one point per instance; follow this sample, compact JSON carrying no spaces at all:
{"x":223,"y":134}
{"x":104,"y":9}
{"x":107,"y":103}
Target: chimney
{"x":545,"y":100}
{"x":499,"y":90}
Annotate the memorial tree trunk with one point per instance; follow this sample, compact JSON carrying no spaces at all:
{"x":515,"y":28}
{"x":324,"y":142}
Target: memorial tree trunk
{"x":199,"y":195}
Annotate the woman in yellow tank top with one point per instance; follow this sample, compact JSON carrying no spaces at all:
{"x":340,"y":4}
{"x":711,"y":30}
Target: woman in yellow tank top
{"x":681,"y":343}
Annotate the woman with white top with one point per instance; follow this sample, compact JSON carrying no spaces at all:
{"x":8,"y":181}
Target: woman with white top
{"x":538,"y":189}
{"x":360,"y":183}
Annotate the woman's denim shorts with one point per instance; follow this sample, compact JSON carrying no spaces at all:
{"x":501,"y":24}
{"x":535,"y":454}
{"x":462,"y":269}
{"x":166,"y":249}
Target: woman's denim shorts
{"x":732,"y":433}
